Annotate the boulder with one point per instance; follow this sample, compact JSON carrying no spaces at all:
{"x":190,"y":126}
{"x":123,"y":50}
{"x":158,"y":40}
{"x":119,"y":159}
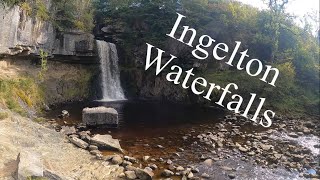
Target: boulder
{"x":130,"y":174}
{"x":143,"y":174}
{"x":29,"y":165}
{"x":100,"y":116}
{"x":117,"y":160}
{"x":106,"y":142}
{"x":167,"y":173}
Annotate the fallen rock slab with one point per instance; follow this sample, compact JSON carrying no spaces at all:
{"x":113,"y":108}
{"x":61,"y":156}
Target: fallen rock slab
{"x":106,"y":142}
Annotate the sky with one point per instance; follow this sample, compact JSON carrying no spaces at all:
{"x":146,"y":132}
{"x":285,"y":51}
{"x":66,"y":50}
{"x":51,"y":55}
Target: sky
{"x":295,"y":7}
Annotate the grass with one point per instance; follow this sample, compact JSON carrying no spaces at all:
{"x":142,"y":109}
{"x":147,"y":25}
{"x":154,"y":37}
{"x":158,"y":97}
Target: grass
{"x":3,"y":115}
{"x":25,"y":90}
{"x":39,"y":119}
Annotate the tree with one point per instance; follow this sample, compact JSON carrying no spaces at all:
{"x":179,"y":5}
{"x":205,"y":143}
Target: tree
{"x":277,"y":8}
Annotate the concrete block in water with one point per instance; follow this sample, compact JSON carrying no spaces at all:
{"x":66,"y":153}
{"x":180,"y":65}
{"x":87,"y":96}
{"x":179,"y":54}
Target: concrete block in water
{"x":100,"y":116}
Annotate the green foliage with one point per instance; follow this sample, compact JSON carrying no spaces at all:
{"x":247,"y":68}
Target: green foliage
{"x":64,"y":14}
{"x":40,"y":119}
{"x":15,"y":91}
{"x":270,"y":35}
{"x":76,"y":14}
{"x":26,"y":7}
{"x":41,"y":10}
{"x":3,"y":115}
{"x":10,"y":2}
{"x":44,"y":66}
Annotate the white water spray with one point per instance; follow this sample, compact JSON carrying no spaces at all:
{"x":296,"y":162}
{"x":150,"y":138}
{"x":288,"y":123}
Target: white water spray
{"x":110,"y":74}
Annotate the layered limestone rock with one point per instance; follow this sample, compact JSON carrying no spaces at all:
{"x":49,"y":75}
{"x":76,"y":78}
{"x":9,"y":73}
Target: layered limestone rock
{"x":23,"y":35}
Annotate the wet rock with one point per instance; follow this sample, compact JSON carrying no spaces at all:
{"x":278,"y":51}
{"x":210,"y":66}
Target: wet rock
{"x":190,"y":175}
{"x":159,"y":146}
{"x":117,"y":160}
{"x":148,"y":169}
{"x":231,"y":176}
{"x":208,"y":162}
{"x":100,"y":116}
{"x":306,"y":130}
{"x":171,"y":167}
{"x":146,"y":158}
{"x":205,"y":176}
{"x":130,"y":159}
{"x":242,"y":149}
{"x":130,"y":174}
{"x":195,"y":170}
{"x":185,"y":137}
{"x":78,"y":142}
{"x":202,"y":157}
{"x":153,"y":166}
{"x":143,"y":174}
{"x":64,"y":114}
{"x":179,"y":168}
{"x":176,"y":154}
{"x":30,"y":165}
{"x":167,"y":173}
{"x":169,"y":161}
{"x":293,"y":135}
{"x":106,"y":142}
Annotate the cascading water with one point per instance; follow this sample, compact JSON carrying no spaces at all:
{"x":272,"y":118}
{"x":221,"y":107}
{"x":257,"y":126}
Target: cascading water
{"x":110,"y":74}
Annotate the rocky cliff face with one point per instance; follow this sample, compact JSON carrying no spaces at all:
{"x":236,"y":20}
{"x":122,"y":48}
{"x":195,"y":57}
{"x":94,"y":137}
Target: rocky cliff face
{"x":24,"y":35}
{"x":21,"y":39}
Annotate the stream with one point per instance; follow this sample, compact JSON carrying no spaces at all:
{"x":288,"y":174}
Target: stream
{"x":170,"y":131}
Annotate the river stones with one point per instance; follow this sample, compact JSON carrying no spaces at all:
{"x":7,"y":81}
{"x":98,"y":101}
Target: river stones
{"x":167,"y":173}
{"x":208,"y":162}
{"x":205,"y":176}
{"x":100,"y":116}
{"x":293,"y":135}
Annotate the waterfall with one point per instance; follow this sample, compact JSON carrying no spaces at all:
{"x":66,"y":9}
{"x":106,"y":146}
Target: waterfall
{"x":110,"y":74}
